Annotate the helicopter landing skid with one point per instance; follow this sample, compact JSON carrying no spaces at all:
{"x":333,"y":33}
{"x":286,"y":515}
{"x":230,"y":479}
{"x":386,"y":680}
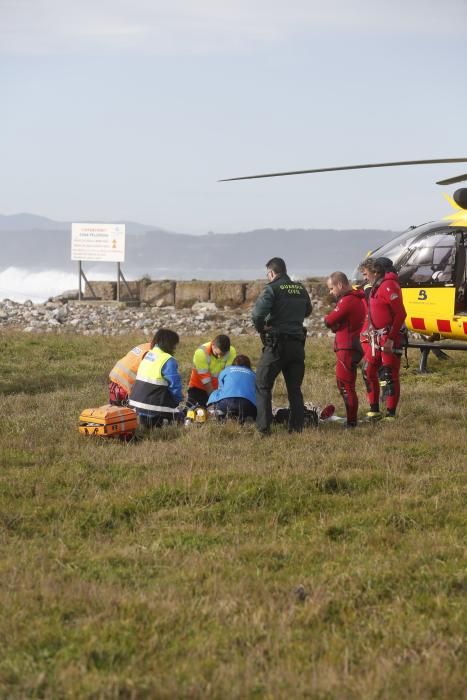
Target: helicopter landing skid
{"x":437,"y":349}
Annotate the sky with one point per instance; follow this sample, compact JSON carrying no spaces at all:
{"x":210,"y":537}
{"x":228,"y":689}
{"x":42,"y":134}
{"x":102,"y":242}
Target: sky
{"x":133,"y":110}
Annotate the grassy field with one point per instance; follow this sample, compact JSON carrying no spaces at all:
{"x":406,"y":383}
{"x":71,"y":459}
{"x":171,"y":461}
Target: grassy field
{"x":207,"y":563}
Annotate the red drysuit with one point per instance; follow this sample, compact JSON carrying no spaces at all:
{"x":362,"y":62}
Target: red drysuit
{"x":386,"y":315}
{"x":347,"y":321}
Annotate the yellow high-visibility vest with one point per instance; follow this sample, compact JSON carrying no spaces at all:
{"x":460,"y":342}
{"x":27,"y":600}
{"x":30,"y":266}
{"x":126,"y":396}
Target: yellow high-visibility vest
{"x":150,"y":392}
{"x":207,"y":367}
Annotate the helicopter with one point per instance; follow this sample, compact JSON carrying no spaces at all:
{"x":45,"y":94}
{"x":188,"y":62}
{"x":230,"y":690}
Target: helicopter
{"x":431,"y":264}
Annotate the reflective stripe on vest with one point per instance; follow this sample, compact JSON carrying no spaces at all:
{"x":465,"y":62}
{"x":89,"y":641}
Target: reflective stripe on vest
{"x":214,"y":368}
{"x":151,"y":407}
{"x":150,"y":392}
{"x":124,"y":372}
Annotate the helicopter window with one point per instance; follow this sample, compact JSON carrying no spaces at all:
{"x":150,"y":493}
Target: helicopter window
{"x":430,"y":262}
{"x":422,"y":256}
{"x":394,"y":248}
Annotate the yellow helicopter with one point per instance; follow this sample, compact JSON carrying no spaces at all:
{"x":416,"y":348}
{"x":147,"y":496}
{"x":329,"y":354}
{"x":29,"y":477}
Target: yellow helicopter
{"x":431,"y":263}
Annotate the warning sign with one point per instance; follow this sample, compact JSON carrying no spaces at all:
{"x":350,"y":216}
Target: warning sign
{"x":98,"y":242}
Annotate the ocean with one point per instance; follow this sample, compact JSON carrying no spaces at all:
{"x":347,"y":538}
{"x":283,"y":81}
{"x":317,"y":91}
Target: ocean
{"x":19,"y":284}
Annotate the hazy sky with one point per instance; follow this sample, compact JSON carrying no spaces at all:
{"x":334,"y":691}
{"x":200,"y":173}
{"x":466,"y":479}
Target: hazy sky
{"x":133,"y":109}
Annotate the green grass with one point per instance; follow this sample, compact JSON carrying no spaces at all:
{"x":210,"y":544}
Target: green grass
{"x":207,"y":563}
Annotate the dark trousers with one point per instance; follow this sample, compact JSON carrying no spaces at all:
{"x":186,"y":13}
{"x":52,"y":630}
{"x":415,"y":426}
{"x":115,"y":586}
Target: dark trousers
{"x":288,"y":357}
{"x":196,"y":397}
{"x":157,"y":419}
{"x":236,"y":408}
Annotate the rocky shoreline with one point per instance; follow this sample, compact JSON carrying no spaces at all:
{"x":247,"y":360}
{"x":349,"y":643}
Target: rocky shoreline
{"x":63,"y":314}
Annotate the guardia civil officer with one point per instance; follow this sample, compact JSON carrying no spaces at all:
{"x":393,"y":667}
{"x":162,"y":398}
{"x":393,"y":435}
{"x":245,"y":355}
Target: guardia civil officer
{"x":278,"y":316}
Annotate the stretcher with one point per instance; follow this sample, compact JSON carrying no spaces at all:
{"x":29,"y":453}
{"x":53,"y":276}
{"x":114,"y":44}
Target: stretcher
{"x":108,"y":421}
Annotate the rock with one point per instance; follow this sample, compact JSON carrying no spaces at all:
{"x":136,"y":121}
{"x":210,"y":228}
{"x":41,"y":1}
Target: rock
{"x":205,"y":306}
{"x":133,"y":290}
{"x":102,"y":290}
{"x":159,"y":293}
{"x":60,"y":313}
{"x":187,"y":293}
{"x":194,"y":313}
{"x":228,"y":293}
{"x":253,"y":290}
{"x":300,"y":593}
{"x":68,"y":295}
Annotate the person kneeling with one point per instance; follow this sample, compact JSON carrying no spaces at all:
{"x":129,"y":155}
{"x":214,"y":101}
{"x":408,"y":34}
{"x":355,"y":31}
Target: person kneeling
{"x":157,"y":391}
{"x":123,"y":375}
{"x":236,"y":395}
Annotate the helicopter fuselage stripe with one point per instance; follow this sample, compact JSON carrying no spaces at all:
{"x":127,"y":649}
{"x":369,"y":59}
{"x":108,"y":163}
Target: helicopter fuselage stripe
{"x":465,"y":328}
{"x":418,"y":324}
{"x":444,"y":326}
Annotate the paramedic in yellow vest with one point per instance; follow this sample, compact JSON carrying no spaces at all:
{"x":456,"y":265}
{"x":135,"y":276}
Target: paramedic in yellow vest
{"x":123,"y":375}
{"x":208,"y":362}
{"x":157,"y":390}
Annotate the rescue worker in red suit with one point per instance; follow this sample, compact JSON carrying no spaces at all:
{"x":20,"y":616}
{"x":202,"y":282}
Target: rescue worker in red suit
{"x":382,"y":336}
{"x":346,"y":320}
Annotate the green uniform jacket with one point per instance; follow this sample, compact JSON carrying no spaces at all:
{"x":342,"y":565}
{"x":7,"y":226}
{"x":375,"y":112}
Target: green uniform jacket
{"x":283,"y":305}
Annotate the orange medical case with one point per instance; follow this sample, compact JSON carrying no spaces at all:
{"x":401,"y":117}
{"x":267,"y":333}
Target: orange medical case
{"x":108,"y":421}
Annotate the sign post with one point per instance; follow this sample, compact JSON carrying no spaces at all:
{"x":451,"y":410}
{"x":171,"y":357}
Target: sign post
{"x":98,"y":243}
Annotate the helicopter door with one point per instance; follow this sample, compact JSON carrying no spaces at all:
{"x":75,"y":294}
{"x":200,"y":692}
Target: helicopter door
{"x":461,"y":274}
{"x":427,"y":272}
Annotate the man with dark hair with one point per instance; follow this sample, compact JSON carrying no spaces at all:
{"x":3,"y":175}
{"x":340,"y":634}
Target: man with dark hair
{"x":235,"y":397}
{"x":277,"y":265}
{"x":157,"y":390}
{"x":346,"y":320}
{"x":208,"y":362}
{"x":383,"y":337}
{"x":278,"y":316}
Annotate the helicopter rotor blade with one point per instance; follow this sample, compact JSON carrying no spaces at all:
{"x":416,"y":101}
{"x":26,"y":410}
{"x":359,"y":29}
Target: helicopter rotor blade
{"x":452,"y":180}
{"x":353,"y":167}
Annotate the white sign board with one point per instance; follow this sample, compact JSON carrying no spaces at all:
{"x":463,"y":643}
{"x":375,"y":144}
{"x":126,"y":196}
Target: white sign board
{"x":98,"y":242}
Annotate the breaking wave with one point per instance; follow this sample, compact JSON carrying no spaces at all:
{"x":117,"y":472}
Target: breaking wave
{"x":19,"y":284}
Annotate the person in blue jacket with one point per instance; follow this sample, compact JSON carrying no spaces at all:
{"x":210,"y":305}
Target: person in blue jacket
{"x":236,"y":395}
{"x":157,"y":391}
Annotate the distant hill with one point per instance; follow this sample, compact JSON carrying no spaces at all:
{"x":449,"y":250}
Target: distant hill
{"x":37,"y":243}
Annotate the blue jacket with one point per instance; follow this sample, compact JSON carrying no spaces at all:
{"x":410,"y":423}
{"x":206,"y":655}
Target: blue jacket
{"x":158,"y":385}
{"x":235,"y":382}
{"x":172,"y":375}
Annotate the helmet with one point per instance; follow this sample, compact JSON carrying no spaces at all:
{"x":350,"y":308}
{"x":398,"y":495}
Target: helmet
{"x":387,"y":264}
